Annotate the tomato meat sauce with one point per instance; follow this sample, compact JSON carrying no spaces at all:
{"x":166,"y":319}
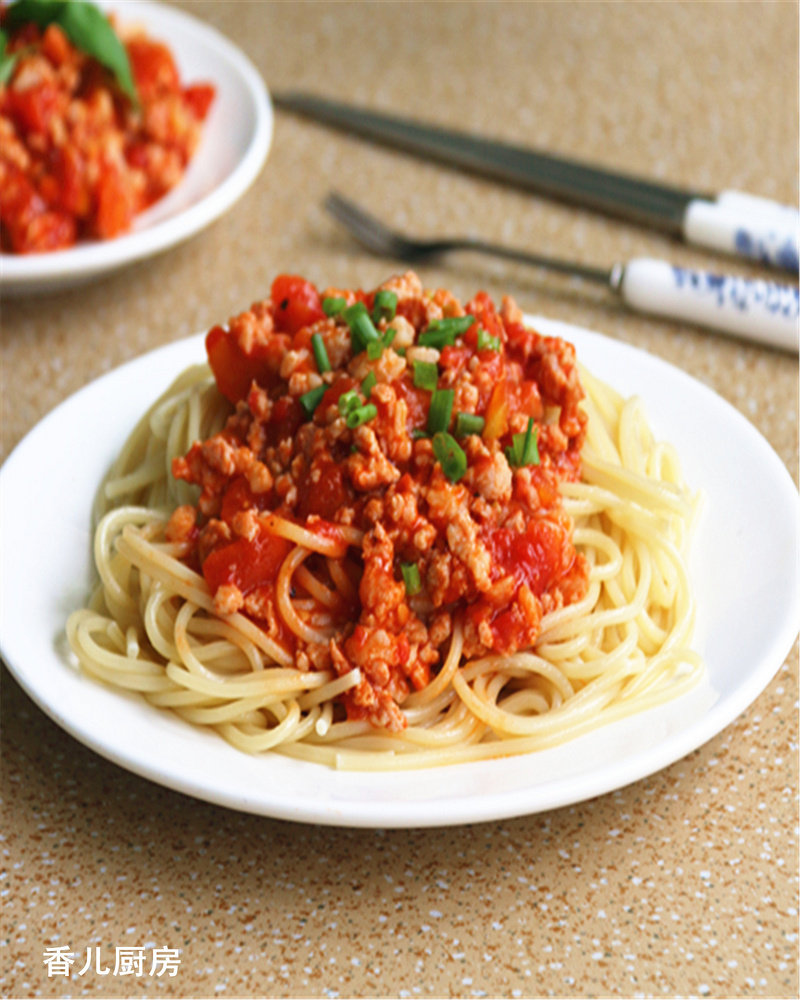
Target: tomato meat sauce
{"x":425,"y":441}
{"x":78,"y":161}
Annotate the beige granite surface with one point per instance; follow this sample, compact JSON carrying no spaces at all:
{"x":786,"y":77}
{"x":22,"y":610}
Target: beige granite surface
{"x":684,"y":883}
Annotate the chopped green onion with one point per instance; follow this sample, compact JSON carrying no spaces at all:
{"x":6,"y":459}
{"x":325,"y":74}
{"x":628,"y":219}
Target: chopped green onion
{"x":440,"y":411}
{"x":426,"y":374}
{"x":384,"y":305}
{"x":375,"y":347}
{"x":320,"y":353}
{"x":524,"y":450}
{"x":348,"y":401}
{"x":418,"y":432}
{"x":486,"y":342}
{"x":333,"y":305}
{"x":468,"y":423}
{"x":310,"y":400}
{"x":362,"y":329}
{"x":450,"y":456}
{"x":367,"y":384}
{"x":443,"y":332}
{"x":411,"y":578}
{"x":361,"y":415}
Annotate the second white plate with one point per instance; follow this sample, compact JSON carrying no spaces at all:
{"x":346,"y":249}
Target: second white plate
{"x":236,"y":139}
{"x":744,"y":571}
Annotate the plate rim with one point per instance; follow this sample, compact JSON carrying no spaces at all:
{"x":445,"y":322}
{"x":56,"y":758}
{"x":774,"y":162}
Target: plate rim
{"x":400,"y":814}
{"x":25,"y":273}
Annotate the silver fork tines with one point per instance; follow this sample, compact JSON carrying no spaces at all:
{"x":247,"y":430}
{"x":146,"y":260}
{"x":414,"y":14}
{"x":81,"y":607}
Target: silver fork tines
{"x":376,"y":236}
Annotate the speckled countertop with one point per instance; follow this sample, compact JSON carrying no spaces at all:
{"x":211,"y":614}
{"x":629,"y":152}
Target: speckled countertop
{"x":684,"y":883}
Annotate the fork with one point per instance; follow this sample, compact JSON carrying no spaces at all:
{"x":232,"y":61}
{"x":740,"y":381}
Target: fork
{"x":758,"y":310}
{"x":380,"y":239}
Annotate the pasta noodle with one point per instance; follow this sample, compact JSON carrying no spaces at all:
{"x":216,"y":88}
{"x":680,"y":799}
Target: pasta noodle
{"x":152,"y":624}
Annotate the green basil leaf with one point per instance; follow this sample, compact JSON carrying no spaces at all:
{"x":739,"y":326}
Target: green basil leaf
{"x":91,"y":31}
{"x":41,"y":12}
{"x":8,"y":60}
{"x":87,"y":28}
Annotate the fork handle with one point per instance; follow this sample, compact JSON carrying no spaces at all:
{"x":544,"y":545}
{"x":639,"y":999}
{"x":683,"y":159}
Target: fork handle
{"x":758,"y":310}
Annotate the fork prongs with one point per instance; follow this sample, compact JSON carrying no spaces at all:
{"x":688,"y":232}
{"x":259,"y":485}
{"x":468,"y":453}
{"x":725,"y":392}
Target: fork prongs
{"x":366,"y":228}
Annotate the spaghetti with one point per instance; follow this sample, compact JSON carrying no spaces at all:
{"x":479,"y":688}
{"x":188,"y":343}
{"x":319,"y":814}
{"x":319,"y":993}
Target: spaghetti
{"x":383,"y":530}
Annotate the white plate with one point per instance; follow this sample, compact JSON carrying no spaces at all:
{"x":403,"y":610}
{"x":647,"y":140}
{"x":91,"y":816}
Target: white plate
{"x":744,"y":570}
{"x":236,"y":138}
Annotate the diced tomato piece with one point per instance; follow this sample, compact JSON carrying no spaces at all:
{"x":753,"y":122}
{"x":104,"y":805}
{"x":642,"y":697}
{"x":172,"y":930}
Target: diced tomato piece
{"x":483,"y":309}
{"x":56,"y":46}
{"x":327,"y":494}
{"x":239,"y":497}
{"x":66,"y":185}
{"x":246,"y":563}
{"x":233,"y":369}
{"x":18,"y":197}
{"x":295,"y":303}
{"x":29,"y":226}
{"x":34,"y":107}
{"x":287,"y":416}
{"x":154,"y":70}
{"x":417,"y":402}
{"x":115,"y":203}
{"x":199,"y":97}
{"x":537,"y":556}
{"x":454,"y":358}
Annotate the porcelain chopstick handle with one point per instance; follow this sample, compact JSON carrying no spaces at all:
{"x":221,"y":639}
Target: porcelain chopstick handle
{"x":747,"y":226}
{"x":763,"y":311}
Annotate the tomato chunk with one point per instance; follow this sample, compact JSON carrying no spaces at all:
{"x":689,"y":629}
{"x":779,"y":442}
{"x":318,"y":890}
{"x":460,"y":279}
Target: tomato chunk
{"x":295,"y":303}
{"x":537,"y":556}
{"x":234,"y":369}
{"x":199,"y":97}
{"x":116,"y":203}
{"x":153,"y":68}
{"x":246,"y":563}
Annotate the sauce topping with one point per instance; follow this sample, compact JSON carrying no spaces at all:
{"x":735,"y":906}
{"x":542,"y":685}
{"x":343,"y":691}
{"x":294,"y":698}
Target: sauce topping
{"x":421,"y":443}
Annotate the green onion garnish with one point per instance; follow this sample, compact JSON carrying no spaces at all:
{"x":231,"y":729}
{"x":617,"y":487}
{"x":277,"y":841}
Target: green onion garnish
{"x":426,"y":375}
{"x":361,"y":415}
{"x":375,"y":347}
{"x":367,"y":384}
{"x":440,"y":411}
{"x":348,"y":401}
{"x":310,"y":400}
{"x":468,"y":423}
{"x":384,"y":305}
{"x":411,"y":578}
{"x":362,"y":329}
{"x":486,"y":342}
{"x":524,"y":450}
{"x":333,"y":305}
{"x":443,"y":332}
{"x":320,"y":353}
{"x":450,"y":456}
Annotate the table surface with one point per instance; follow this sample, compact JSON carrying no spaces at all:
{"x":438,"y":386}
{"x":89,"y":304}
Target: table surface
{"x":682,"y":883}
